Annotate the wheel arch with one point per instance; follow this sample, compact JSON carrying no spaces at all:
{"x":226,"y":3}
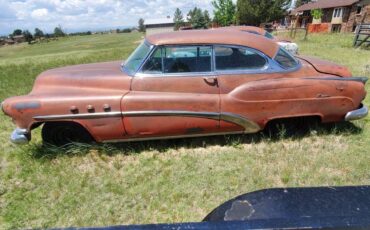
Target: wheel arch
{"x":77,"y":124}
{"x":282,"y":118}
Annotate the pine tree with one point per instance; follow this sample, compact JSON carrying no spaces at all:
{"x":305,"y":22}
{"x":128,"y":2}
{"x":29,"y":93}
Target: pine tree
{"x":252,"y":12}
{"x":141,"y":25}
{"x":301,"y":2}
{"x":38,"y":33}
{"x":17,"y":32}
{"x":196,"y":19}
{"x":178,"y":19}
{"x":58,"y":32}
{"x":28,"y":36}
{"x":224,"y":12}
{"x":207,"y":18}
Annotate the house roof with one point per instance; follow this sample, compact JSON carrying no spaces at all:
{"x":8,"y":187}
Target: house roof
{"x":158,"y":21}
{"x":324,"y":4}
{"x":18,"y":36}
{"x":231,"y":37}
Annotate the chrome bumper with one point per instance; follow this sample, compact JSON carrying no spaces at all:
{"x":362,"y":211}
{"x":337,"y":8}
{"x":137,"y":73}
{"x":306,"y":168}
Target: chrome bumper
{"x":19,"y":136}
{"x":357,"y":114}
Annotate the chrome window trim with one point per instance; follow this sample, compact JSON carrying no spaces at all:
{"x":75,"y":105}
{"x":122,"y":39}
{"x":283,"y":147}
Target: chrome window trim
{"x":298,"y":66}
{"x":245,"y":69}
{"x":186,"y":74}
{"x":191,"y":74}
{"x":151,"y":48}
{"x":271,"y":66}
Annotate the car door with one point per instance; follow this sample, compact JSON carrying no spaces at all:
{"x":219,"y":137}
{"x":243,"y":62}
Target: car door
{"x":238,"y":68}
{"x":174,"y":94}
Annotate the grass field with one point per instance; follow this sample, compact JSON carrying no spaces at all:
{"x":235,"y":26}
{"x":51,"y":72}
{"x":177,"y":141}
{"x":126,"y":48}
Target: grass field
{"x":162,"y":181}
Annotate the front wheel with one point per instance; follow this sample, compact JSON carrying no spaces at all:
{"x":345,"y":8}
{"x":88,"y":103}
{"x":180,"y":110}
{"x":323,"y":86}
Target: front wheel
{"x":63,"y":133}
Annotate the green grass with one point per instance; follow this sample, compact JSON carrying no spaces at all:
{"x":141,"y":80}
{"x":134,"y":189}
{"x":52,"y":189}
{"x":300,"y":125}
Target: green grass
{"x":162,"y":181}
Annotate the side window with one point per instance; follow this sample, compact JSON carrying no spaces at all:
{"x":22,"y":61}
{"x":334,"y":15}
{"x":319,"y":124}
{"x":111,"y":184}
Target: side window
{"x":154,"y":64}
{"x":187,"y":59}
{"x":286,"y":60}
{"x":230,"y":58}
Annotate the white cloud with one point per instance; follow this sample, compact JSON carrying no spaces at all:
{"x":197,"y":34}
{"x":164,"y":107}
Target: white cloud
{"x":40,"y":14}
{"x":79,"y":15}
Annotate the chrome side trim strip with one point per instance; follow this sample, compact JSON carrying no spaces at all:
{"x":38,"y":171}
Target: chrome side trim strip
{"x":77,"y":116}
{"x":358,"y":79}
{"x":357,"y":114}
{"x":208,"y":115}
{"x":248,"y":125}
{"x":172,"y":137}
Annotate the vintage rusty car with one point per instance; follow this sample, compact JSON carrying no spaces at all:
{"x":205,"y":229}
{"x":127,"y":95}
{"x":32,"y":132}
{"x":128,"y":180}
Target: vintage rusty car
{"x":185,"y":84}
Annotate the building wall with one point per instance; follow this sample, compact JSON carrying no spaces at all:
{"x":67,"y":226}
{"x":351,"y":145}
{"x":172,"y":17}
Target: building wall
{"x":355,"y":19}
{"x":347,"y":23}
{"x":158,"y":30}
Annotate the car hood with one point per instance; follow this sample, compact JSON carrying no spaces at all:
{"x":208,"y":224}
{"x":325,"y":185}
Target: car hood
{"x":82,"y":78}
{"x":327,"y":67}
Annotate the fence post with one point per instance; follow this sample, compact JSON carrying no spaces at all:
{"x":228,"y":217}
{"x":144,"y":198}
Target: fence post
{"x":305,"y":33}
{"x":358,"y":29}
{"x":291,"y":32}
{"x":295,"y":32}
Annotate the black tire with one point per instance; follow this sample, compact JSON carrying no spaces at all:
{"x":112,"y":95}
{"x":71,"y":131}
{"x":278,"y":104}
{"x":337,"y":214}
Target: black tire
{"x":63,"y":133}
{"x":289,"y":127}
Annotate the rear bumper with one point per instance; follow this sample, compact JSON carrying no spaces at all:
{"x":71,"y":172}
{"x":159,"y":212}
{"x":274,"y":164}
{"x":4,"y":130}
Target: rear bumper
{"x":20,"y":136}
{"x":357,"y":114}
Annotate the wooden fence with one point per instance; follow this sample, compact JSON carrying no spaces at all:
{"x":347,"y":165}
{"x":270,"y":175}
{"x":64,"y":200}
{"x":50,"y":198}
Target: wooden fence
{"x":362,"y":36}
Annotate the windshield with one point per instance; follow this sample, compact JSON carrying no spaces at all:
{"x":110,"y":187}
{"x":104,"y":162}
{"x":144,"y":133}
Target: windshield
{"x":136,"y":58}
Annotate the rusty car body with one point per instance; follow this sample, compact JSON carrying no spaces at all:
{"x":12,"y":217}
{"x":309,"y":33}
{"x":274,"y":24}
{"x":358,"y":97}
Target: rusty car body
{"x":185,"y":84}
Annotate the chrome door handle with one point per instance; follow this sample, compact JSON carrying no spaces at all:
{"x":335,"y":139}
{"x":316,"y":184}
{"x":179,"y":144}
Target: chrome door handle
{"x":212,"y":81}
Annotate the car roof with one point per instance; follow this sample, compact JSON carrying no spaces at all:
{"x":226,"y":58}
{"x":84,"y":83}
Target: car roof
{"x":217,"y":36}
{"x":246,"y":28}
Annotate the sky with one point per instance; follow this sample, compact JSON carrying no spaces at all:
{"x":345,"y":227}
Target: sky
{"x":84,"y":15}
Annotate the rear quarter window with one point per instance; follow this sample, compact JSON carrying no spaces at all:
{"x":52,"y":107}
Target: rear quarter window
{"x":233,"y":58}
{"x":286,"y":60}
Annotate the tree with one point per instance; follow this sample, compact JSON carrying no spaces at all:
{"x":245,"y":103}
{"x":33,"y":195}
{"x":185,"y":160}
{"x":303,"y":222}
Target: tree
{"x":224,"y":12}
{"x":141,"y":25}
{"x":17,"y":32}
{"x":252,"y":12}
{"x":127,"y":30}
{"x":28,"y":36}
{"x":38,"y":33}
{"x":196,"y":19}
{"x":58,"y":32}
{"x":301,"y":2}
{"x":207,"y":18}
{"x":178,"y":19}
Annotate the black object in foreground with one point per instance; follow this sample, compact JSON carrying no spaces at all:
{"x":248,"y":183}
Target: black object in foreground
{"x":290,"y":208}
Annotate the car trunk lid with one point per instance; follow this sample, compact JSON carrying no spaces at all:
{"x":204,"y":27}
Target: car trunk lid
{"x":327,"y":67}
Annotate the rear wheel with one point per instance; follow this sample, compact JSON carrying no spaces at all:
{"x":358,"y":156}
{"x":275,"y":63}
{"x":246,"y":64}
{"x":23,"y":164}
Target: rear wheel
{"x":291,"y":126}
{"x":63,"y":133}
